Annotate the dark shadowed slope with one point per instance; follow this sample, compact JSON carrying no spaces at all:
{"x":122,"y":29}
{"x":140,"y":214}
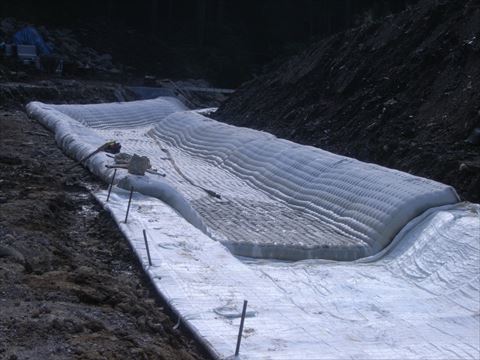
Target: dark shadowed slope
{"x":404,"y":93}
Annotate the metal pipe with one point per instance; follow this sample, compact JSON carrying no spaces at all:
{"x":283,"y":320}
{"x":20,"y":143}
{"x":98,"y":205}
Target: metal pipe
{"x":129,"y":202}
{"x":146,"y":246}
{"x":240,"y":331}
{"x":111,"y":184}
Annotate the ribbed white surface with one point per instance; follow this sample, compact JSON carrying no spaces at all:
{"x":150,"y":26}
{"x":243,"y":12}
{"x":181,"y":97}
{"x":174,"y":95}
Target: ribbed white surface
{"x":357,"y":207}
{"x":279,"y":199}
{"x":417,"y":298}
{"x":122,"y":114}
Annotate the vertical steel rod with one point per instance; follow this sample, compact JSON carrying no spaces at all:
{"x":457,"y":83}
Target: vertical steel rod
{"x":129,"y":202}
{"x":240,"y":331}
{"x":146,"y":246}
{"x":111,"y":184}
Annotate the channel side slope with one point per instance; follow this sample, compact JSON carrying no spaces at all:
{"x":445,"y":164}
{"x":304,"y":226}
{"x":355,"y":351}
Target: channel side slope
{"x":279,"y":199}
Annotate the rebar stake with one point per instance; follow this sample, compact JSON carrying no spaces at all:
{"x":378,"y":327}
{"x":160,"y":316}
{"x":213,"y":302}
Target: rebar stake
{"x":129,"y":202}
{"x":111,"y":184}
{"x":146,"y":246}
{"x":240,"y":331}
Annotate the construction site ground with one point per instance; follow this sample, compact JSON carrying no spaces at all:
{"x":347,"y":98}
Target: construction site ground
{"x":70,"y":287}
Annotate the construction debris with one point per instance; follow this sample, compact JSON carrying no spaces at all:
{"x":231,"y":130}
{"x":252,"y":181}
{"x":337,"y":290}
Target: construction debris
{"x":59,"y":46}
{"x":111,"y":147}
{"x":135,"y":164}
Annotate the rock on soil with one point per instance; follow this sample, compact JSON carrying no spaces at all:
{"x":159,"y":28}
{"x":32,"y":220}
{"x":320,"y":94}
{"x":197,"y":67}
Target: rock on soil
{"x":404,"y":93}
{"x":70,"y":287}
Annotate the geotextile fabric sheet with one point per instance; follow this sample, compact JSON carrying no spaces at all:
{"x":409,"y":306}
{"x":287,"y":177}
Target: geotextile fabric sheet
{"x":416,"y":294}
{"x":278,"y":200}
{"x":417,"y":299}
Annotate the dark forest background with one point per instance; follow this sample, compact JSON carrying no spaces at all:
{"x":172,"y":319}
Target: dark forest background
{"x":224,"y":41}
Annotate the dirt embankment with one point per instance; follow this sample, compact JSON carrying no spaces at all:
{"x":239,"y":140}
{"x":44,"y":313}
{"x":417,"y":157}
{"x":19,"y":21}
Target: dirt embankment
{"x":404,"y":93}
{"x":70,"y":287}
{"x":16,"y":94}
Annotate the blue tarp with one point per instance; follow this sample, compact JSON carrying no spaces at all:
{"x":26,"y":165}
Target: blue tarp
{"x":30,"y":36}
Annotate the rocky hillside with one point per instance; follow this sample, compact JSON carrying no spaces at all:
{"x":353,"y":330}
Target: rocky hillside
{"x":403,"y":93}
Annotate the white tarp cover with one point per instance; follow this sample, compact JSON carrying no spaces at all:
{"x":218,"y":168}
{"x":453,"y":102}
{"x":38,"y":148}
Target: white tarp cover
{"x":417,"y":298}
{"x":279,"y":199}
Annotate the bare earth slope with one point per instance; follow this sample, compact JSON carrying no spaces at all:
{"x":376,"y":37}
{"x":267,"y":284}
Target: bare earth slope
{"x":404,"y":93}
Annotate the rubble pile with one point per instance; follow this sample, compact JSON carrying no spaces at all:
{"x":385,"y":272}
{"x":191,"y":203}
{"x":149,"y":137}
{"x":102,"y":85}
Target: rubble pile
{"x":76,"y":58}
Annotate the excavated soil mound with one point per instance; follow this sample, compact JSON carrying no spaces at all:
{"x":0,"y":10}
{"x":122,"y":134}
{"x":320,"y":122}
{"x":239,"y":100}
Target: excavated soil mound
{"x":404,"y":93}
